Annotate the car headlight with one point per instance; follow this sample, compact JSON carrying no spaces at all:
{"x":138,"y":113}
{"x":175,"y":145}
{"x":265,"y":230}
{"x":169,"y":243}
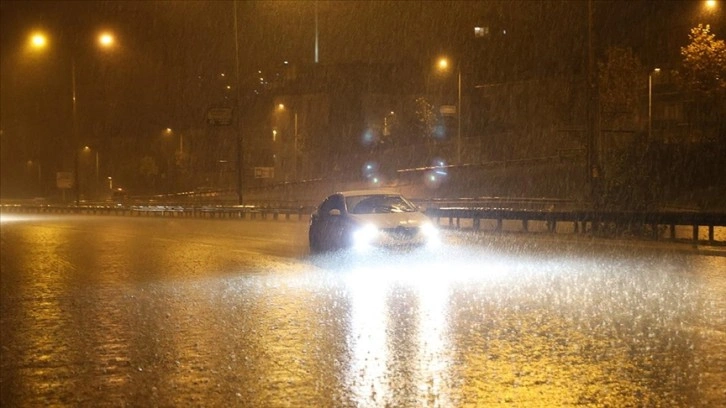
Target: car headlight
{"x":430,"y":233}
{"x":365,"y":235}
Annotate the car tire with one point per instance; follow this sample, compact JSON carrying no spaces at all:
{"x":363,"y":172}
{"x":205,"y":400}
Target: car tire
{"x":315,"y":247}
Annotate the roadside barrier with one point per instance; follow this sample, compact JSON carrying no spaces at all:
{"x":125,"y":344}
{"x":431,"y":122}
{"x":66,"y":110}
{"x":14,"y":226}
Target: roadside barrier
{"x":654,"y":225}
{"x":650,"y":225}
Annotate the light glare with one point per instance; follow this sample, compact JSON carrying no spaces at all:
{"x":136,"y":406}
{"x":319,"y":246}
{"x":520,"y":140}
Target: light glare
{"x":106,"y":40}
{"x":38,"y":40}
{"x":363,"y":237}
{"x":443,"y":64}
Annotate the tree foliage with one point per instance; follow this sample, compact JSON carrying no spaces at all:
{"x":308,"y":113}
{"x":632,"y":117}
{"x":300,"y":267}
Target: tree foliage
{"x":425,"y":118}
{"x":704,"y":62}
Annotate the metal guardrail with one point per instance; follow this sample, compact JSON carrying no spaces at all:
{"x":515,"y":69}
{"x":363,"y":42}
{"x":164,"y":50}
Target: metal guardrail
{"x":231,"y":212}
{"x":584,"y":221}
{"x":581,"y":219}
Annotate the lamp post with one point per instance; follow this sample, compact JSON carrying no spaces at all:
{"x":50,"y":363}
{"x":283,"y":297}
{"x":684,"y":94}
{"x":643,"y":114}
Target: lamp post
{"x":36,"y":163}
{"x":650,"y":103}
{"x":281,"y":108}
{"x":88,"y":149}
{"x":39,"y":41}
{"x":443,"y":65}
{"x":177,"y":157}
{"x":170,"y":132}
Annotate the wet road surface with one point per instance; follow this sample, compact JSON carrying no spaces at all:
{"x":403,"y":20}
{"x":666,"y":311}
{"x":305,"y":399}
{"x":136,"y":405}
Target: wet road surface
{"x":125,"y":311}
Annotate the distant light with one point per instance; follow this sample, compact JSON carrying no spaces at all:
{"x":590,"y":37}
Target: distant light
{"x":368,"y":137}
{"x":222,"y":74}
{"x":229,"y":87}
{"x":38,"y":40}
{"x":481,"y":31}
{"x":656,"y":70}
{"x":106,"y":39}
{"x":284,"y":62}
{"x":443,"y":64}
{"x":281,"y":106}
{"x":711,"y":4}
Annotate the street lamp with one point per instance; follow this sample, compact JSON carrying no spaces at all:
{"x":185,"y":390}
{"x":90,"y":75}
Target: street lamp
{"x":650,"y":102}
{"x":282,"y":108}
{"x":177,"y":157}
{"x":170,"y":132}
{"x":39,"y":41}
{"x":106,"y":39}
{"x":88,"y":149}
{"x":36,"y":163}
{"x":443,"y":65}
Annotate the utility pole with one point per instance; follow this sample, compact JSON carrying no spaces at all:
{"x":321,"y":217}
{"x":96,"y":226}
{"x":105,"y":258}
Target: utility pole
{"x":317,"y":55}
{"x":593,"y":173}
{"x":238,"y":122}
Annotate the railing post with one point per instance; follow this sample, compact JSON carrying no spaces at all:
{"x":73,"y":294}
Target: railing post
{"x":695,"y":235}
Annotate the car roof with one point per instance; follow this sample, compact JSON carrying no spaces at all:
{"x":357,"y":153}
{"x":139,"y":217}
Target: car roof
{"x":352,"y":193}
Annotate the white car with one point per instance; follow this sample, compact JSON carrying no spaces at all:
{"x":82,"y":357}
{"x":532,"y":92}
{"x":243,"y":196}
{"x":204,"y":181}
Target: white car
{"x":366,"y":219}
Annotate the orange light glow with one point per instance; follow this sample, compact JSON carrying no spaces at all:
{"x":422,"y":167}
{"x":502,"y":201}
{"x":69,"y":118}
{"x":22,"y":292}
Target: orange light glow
{"x":38,"y":40}
{"x":443,"y":64}
{"x":106,"y":40}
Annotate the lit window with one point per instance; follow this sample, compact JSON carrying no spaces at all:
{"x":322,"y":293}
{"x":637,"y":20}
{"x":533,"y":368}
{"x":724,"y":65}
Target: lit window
{"x":481,"y":31}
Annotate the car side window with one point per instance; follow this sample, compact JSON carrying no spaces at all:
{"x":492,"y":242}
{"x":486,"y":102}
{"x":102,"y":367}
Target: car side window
{"x":334,"y":202}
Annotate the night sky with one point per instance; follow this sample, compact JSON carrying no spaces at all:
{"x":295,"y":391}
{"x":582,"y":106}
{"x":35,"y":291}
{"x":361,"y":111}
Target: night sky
{"x":171,"y":54}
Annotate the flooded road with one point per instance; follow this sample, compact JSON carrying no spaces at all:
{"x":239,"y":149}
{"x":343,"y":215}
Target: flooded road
{"x":125,"y":311}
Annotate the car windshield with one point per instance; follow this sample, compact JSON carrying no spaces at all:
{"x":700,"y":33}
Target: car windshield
{"x":378,"y":204}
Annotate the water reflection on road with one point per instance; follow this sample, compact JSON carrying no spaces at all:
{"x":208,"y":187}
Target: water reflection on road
{"x":196,"y":317}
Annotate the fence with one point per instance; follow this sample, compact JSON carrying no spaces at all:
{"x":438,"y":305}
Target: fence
{"x":652,"y":225}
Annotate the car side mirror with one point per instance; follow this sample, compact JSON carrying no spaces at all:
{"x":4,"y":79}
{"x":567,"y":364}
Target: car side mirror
{"x":334,"y":212}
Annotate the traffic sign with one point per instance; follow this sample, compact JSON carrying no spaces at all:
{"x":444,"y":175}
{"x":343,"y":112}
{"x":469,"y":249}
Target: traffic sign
{"x":64,"y":179}
{"x":219,"y":116}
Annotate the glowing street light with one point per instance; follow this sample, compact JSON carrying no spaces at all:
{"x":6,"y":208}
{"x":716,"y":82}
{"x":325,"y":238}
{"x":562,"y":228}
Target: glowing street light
{"x":39,"y":40}
{"x":106,"y":40}
{"x":87,"y":149}
{"x":650,"y":102}
{"x":170,"y":132}
{"x":710,"y":4}
{"x":282,"y":108}
{"x":443,"y":65}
